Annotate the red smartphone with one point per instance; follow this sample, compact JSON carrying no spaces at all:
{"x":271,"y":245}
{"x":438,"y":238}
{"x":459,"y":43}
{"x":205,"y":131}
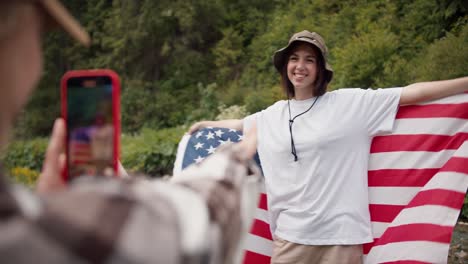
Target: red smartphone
{"x":91,"y":110}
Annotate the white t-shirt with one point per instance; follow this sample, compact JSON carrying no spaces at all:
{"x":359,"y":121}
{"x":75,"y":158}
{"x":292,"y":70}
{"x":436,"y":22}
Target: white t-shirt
{"x":322,"y":199}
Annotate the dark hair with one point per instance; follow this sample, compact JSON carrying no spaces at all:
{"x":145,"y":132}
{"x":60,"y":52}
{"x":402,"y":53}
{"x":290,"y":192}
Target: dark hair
{"x":320,"y":85}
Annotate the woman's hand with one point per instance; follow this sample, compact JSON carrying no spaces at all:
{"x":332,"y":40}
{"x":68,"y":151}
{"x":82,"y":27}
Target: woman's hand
{"x":196,"y":126}
{"x":50,"y":179}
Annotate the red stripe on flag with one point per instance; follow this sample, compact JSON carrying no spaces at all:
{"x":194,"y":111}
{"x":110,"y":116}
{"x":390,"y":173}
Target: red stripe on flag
{"x":262,"y":202}
{"x":261,"y":229}
{"x":433,"y":110}
{"x":366,"y":248}
{"x":81,"y":152}
{"x":456,"y":164}
{"x":419,"y":142}
{"x":77,"y":144}
{"x":383,"y":212}
{"x":400,"y":177}
{"x":416,"y":232}
{"x":387,"y":213}
{"x":251,"y":257}
{"x":442,"y":197}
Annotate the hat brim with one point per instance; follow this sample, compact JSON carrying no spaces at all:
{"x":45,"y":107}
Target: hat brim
{"x":64,"y":19}
{"x":279,"y":58}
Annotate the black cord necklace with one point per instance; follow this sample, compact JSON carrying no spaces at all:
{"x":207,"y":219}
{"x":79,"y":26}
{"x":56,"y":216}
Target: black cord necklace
{"x":291,"y":122}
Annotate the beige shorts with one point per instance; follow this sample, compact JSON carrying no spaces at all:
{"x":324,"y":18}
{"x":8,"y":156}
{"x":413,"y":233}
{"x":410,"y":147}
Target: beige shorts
{"x":289,"y":252}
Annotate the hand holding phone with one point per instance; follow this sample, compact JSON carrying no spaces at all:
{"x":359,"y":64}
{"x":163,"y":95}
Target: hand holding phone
{"x":91,"y":110}
{"x":50,"y":179}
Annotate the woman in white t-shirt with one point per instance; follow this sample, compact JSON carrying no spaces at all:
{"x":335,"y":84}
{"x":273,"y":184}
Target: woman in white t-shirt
{"x":314,"y":149}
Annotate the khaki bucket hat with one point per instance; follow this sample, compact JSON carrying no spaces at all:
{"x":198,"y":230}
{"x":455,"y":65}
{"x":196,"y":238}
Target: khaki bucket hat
{"x":60,"y":15}
{"x":309,"y":37}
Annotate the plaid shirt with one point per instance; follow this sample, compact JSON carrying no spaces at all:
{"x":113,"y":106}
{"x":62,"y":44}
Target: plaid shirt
{"x":193,"y":218}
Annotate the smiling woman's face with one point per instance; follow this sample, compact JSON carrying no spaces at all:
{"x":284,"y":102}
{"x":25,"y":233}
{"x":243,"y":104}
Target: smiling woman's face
{"x":302,"y":70}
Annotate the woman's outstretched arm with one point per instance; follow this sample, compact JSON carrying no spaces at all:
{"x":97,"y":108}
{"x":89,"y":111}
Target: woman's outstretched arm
{"x":427,"y":91}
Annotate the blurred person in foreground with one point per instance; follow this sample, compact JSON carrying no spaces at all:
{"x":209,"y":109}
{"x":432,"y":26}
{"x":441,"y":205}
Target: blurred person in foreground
{"x":197,"y":217}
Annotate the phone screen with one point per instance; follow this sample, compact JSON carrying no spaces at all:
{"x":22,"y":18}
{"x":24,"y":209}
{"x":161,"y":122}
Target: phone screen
{"x":90,"y":133}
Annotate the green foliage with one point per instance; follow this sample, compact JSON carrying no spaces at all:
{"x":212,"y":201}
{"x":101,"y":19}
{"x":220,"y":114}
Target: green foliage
{"x":151,"y":152}
{"x":464,"y":211}
{"x":208,"y":105}
{"x":362,"y":58}
{"x":231,"y":112}
{"x":441,"y":60}
{"x":228,"y":52}
{"x":261,"y":99}
{"x":137,"y":104}
{"x":24,"y":176}
{"x":165,"y":51}
{"x":27,"y":154}
{"x":143,"y":104}
{"x":232,"y":93}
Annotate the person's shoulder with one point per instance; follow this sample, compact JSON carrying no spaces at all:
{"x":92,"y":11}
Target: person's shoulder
{"x":344,"y":93}
{"x":347,"y":91}
{"x":360,"y":95}
{"x":363,"y":90}
{"x":269,"y":110}
{"x":358,"y":92}
{"x":277,"y":105}
{"x":280,"y":103}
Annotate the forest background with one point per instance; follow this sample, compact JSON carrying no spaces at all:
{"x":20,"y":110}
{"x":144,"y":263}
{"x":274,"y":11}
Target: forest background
{"x":181,"y":61}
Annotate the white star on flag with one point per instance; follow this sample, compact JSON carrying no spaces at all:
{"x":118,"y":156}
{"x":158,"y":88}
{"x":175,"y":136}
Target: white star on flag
{"x":199,"y":134}
{"x":209,"y":135}
{"x":199,"y":159}
{"x":211,"y":150}
{"x":222,"y":142}
{"x":241,"y":137}
{"x":232,"y":130}
{"x":219,"y":133}
{"x":199,"y":145}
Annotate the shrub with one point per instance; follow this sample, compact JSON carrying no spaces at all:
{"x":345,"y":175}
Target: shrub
{"x":151,"y":152}
{"x":262,"y":98}
{"x":23,"y":160}
{"x":464,"y":211}
{"x":231,"y":112}
{"x":206,"y":109}
{"x":360,"y":60}
{"x":27,"y":154}
{"x":441,"y":60}
{"x":24,"y":176}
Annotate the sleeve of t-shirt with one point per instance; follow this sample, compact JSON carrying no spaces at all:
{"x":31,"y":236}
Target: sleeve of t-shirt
{"x":380,"y":108}
{"x":248,"y":122}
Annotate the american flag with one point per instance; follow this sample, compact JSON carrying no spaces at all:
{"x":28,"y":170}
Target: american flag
{"x":79,"y":146}
{"x":418,"y":177}
{"x":204,"y":142}
{"x":80,"y":152}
